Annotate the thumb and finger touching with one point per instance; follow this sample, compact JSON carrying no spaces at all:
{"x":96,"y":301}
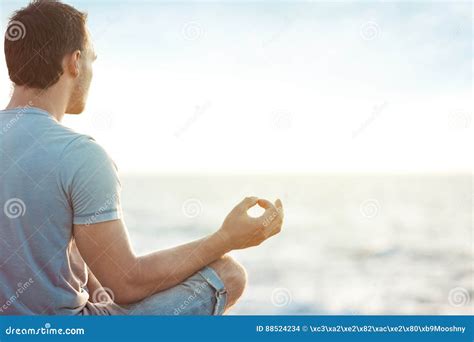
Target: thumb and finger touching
{"x":248,"y":202}
{"x":271,"y":218}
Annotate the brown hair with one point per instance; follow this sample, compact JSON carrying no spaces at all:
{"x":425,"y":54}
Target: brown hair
{"x":38,"y":37}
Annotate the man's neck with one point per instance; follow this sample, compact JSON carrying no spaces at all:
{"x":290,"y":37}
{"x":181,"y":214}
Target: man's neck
{"x":49,"y":100}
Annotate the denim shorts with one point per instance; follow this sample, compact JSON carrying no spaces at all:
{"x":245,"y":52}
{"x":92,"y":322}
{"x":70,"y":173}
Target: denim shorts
{"x":201,"y":294}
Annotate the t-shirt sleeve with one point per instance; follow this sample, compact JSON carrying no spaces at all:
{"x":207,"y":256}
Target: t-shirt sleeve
{"x":91,"y":182}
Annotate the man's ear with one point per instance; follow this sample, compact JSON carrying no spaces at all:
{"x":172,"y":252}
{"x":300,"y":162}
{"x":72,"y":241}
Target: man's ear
{"x":72,"y":63}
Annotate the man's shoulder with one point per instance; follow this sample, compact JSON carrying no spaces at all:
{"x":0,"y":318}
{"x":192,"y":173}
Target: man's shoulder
{"x":83,"y":147}
{"x":83,"y":159}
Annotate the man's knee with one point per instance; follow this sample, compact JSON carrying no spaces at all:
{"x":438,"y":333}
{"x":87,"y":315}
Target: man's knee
{"x":233,"y":275}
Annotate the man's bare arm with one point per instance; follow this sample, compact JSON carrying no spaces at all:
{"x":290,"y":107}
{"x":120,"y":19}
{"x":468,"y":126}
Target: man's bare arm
{"x":93,"y":284}
{"x":107,"y":251}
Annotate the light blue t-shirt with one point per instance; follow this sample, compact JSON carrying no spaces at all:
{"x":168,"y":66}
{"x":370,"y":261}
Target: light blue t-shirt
{"x":50,"y":178}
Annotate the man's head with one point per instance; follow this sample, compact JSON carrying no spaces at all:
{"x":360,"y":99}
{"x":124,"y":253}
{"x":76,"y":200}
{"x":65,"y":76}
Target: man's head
{"x":47,"y":45}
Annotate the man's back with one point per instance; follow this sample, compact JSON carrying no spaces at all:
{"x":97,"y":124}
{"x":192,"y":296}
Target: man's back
{"x":48,"y":182}
{"x":62,"y":234}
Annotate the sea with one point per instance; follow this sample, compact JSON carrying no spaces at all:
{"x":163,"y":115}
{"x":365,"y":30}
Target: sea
{"x":352,"y":244}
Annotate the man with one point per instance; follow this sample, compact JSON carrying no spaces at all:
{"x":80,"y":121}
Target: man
{"x":64,"y":248}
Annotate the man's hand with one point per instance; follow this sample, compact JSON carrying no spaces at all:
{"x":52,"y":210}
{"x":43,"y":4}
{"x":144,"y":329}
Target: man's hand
{"x":239,"y":230}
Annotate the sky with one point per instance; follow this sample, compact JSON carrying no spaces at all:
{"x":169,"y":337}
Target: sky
{"x":278,"y":86}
